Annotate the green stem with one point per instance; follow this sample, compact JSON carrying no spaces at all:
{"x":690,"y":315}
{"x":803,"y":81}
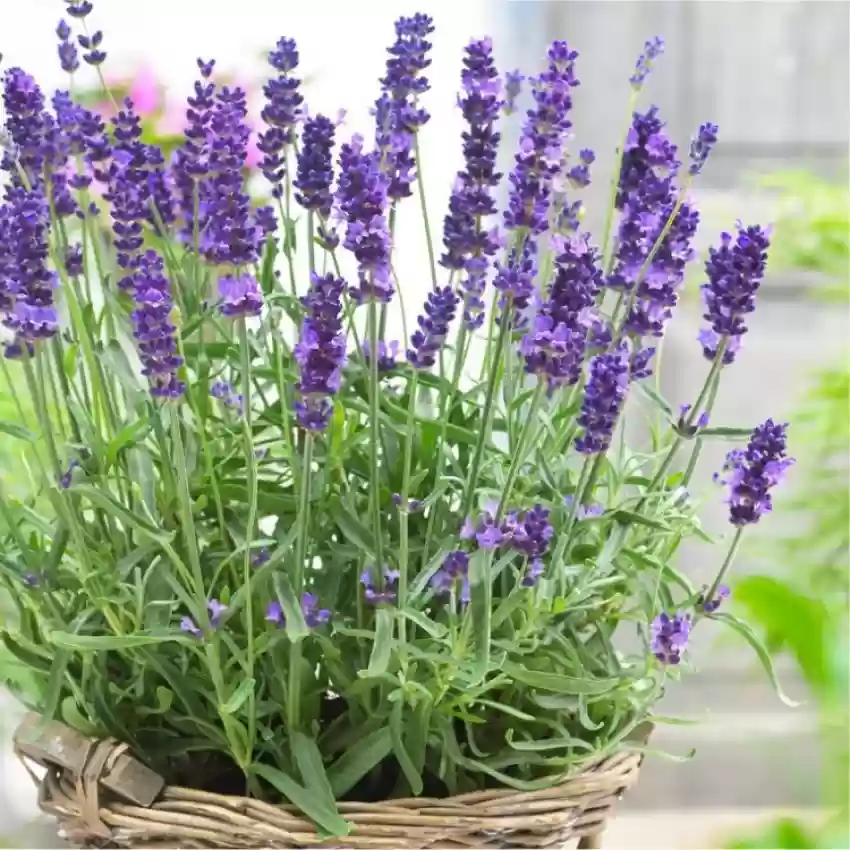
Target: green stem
{"x":730,"y":556}
{"x":519,"y":453}
{"x":484,"y":433}
{"x":404,"y":553}
{"x":615,"y":183}
{"x":692,"y":463}
{"x":420,"y":182}
{"x":693,"y":415}
{"x":374,"y":441}
{"x":293,"y":694}
{"x":311,"y":246}
{"x":251,"y":469}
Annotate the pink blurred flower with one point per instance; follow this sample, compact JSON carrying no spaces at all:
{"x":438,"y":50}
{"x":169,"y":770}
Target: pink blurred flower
{"x":145,"y":91}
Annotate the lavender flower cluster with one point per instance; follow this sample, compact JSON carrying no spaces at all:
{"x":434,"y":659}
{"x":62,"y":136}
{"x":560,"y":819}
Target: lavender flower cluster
{"x":549,"y":288}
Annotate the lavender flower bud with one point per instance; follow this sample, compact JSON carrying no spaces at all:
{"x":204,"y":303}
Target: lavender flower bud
{"x":735,"y":272}
{"x":709,"y":606}
{"x":315,"y":167}
{"x":240,"y":296}
{"x":701,"y":145}
{"x":512,"y":87}
{"x":313,"y":615}
{"x":69,"y":58}
{"x":604,"y":396}
{"x":320,"y":353}
{"x":370,"y":591}
{"x":754,"y":471}
{"x":79,"y":9}
{"x":651,"y":51}
{"x":440,"y":308}
{"x":455,"y":569}
{"x":670,"y":637}
{"x":362,"y":200}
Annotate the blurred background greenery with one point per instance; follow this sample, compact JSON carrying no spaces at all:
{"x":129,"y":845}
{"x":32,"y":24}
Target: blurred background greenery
{"x":802,"y":608}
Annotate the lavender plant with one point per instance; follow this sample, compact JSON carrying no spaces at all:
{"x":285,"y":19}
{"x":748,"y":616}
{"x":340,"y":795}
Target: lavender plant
{"x":271,"y":545}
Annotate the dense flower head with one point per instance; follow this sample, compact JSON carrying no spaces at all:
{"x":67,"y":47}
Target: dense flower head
{"x":362,"y":200}
{"x":313,"y":615}
{"x":555,"y":344}
{"x":26,"y":118}
{"x":281,"y":113}
{"x":320,"y":353}
{"x":403,"y":79}
{"x":651,"y":51}
{"x":545,"y":131}
{"x":603,"y":400}
{"x":240,"y":296}
{"x":69,"y":57}
{"x":230,"y":233}
{"x":752,"y":472}
{"x":471,"y":201}
{"x":701,"y":146}
{"x":670,"y":637}
{"x":648,"y":153}
{"x":454,"y":571}
{"x":153,"y":327}
{"x":440,"y":308}
{"x":315,"y":166}
{"x":735,"y":271}
{"x":26,"y":283}
{"x":515,"y":278}
{"x":373,"y":593}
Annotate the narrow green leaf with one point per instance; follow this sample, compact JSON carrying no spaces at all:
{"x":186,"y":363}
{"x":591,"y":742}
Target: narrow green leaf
{"x":408,"y":768}
{"x":436,"y":630}
{"x":19,"y":432}
{"x":761,"y":651}
{"x":481,"y":583}
{"x":93,"y":643}
{"x":558,"y":684}
{"x":352,"y":529}
{"x":107,"y":503}
{"x":727,"y":433}
{"x":55,"y":683}
{"x":383,"y":644}
{"x":359,"y":760}
{"x":312,"y":769}
{"x":127,"y":436}
{"x":629,"y":517}
{"x":296,"y":625}
{"x":324,"y":816}
{"x":70,"y":713}
{"x":238,"y":697}
{"x":645,"y":389}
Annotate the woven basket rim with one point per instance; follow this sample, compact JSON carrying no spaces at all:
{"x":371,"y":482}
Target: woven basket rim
{"x":90,"y":813}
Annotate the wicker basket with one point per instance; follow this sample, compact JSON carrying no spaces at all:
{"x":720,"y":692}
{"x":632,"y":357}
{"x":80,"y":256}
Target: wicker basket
{"x":102,"y":797}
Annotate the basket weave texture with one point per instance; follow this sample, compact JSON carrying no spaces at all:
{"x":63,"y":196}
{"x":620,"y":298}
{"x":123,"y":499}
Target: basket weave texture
{"x":89,"y":815}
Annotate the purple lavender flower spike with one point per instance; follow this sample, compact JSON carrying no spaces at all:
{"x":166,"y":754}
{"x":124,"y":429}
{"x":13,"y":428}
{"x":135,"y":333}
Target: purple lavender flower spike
{"x":362,"y":200}
{"x":513,"y":87}
{"x":281,"y":113}
{"x":533,"y":572}
{"x":651,"y":51}
{"x":216,"y":611}
{"x":754,"y":471}
{"x":153,"y":329}
{"x":26,"y":125}
{"x":454,"y":571}
{"x":370,"y":591}
{"x":398,"y":114}
{"x":701,"y":145}
{"x":240,"y":296}
{"x":315,"y":165}
{"x":541,"y":146}
{"x":735,"y":271}
{"x":440,"y":308}
{"x":709,"y":606}
{"x":464,"y":231}
{"x":604,"y":396}
{"x":648,"y":153}
{"x":320,"y":353}
{"x":515,"y":280}
{"x":670,"y":637}
{"x":27,"y":289}
{"x":69,"y":58}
